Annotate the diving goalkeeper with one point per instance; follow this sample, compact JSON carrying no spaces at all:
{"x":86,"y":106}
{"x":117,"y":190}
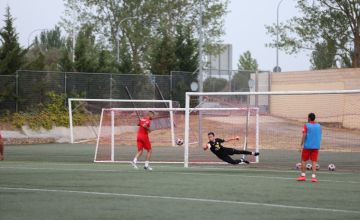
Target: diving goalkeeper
{"x":224,"y":153}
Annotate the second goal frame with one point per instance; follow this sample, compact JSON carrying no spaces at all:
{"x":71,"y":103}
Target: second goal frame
{"x":189,"y":95}
{"x":71,"y":100}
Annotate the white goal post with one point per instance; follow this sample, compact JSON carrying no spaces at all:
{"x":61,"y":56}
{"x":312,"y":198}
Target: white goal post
{"x":72,"y":100}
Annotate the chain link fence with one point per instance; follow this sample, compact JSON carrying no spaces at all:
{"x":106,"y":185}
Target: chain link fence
{"x":27,"y":89}
{"x":8,"y":87}
{"x":238,"y":81}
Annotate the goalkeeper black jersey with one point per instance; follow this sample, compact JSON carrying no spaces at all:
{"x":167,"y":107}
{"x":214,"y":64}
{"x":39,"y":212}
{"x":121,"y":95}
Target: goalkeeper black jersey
{"x":216,"y":145}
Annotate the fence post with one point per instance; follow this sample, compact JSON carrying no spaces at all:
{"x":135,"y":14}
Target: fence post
{"x":111,"y":81}
{"x":256,"y":87}
{"x":65,"y":85}
{"x":17,"y":90}
{"x":171,"y":85}
{"x":111,"y":85}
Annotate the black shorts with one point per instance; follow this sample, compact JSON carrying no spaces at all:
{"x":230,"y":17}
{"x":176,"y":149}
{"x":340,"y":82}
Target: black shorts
{"x":224,"y":151}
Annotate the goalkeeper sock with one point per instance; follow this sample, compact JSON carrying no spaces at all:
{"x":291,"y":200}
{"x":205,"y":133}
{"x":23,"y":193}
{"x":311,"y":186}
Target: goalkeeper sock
{"x":146,"y":163}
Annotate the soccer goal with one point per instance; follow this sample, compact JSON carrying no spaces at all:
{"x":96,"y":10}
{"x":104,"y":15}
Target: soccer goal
{"x":117,"y":134}
{"x":274,"y":121}
{"x":84,"y":115}
{"x":118,"y":129}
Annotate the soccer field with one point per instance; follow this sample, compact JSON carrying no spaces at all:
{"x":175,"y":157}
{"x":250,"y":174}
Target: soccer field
{"x":61,"y":182}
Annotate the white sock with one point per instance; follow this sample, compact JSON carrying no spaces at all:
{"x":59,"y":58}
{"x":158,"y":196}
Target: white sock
{"x":146,"y":163}
{"x":135,"y":160}
{"x":313,"y":176}
{"x":303,"y":174}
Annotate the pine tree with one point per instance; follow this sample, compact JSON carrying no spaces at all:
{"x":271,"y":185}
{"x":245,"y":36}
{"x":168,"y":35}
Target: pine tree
{"x":11,"y":54}
{"x":163,"y":58}
{"x":186,"y":50}
{"x":86,"y":54}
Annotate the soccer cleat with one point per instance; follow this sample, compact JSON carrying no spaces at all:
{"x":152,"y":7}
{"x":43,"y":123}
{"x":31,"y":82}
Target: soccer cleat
{"x":244,"y":161}
{"x":148,"y":168}
{"x":314,"y":180}
{"x":301,"y":178}
{"x":256,"y":154}
{"x":134,"y":165}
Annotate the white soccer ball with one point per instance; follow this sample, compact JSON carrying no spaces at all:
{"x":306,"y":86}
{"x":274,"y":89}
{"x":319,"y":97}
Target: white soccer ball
{"x":331,"y":167}
{"x":308,"y":166}
{"x":298,"y":166}
{"x":179,"y":141}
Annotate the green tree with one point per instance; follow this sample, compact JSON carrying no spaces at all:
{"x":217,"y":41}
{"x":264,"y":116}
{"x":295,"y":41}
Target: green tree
{"x":125,"y":64}
{"x":246,"y":66}
{"x":212,"y":84}
{"x":246,"y":62}
{"x":322,"y":21}
{"x":65,"y":61}
{"x":186,"y":53}
{"x":239,"y":82}
{"x":324,"y":56}
{"x":106,"y":63}
{"x":186,"y":50}
{"x":163,"y":58}
{"x":86,"y":53}
{"x":11,"y":54}
{"x":35,"y":59}
{"x":142,"y":24}
{"x":47,"y":51}
{"x":49,"y":39}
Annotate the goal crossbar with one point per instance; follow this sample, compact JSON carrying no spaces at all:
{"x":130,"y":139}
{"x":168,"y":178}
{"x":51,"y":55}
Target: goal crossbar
{"x":354,"y":91}
{"x":179,"y":109}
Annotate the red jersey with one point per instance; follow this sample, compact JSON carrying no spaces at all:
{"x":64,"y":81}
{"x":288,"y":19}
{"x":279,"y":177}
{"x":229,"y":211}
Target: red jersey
{"x":142,"y":131}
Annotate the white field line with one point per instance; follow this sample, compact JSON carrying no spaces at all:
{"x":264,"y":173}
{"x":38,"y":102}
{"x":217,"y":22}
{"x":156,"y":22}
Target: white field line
{"x":265,"y":177}
{"x":241,"y":167}
{"x":262,"y":170}
{"x":239,"y":175}
{"x":188,"y":199}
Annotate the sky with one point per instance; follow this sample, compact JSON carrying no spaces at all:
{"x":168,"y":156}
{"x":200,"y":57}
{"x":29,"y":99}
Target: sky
{"x":244,"y":27}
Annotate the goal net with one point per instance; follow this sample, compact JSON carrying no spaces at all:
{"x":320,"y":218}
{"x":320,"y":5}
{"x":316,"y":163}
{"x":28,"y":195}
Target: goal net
{"x":281,"y":119}
{"x":117,"y":134}
{"x":84,"y":114}
{"x":118,"y":131}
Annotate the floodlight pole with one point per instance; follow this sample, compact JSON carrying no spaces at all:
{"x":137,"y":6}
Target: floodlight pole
{"x":201,"y":45}
{"x":200,"y":76}
{"x":277,"y":68}
{"x":73,"y":30}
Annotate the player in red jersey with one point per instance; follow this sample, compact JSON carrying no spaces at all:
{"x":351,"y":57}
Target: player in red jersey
{"x":1,"y":147}
{"x":143,"y":141}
